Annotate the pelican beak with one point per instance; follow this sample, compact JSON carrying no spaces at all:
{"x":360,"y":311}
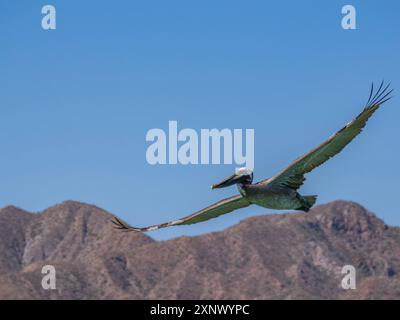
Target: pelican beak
{"x":231,"y":180}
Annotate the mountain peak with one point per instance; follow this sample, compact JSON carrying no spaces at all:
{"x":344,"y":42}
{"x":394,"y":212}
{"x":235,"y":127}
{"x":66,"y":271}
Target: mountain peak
{"x":74,"y":205}
{"x":12,"y":208}
{"x":348,"y":217}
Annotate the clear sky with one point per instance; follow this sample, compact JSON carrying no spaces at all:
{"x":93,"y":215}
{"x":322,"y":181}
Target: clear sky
{"x":77,"y":102}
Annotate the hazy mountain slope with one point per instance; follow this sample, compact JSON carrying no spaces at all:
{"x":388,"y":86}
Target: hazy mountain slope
{"x":277,"y":256}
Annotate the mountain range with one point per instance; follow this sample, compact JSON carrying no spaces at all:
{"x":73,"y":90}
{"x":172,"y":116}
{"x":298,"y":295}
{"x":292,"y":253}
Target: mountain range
{"x":274,"y":256}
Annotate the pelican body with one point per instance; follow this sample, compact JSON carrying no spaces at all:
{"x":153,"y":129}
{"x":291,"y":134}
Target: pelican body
{"x":280,"y":191}
{"x":266,"y":194}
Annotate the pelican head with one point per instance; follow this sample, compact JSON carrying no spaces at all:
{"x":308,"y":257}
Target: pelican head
{"x":241,"y":176}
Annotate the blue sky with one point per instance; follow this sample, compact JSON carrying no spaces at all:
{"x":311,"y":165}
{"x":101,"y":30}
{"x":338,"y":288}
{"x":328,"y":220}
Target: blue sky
{"x":76,"y":102}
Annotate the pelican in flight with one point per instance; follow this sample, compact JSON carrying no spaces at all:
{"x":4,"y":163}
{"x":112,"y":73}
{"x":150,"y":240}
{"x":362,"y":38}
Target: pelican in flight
{"x":280,"y":191}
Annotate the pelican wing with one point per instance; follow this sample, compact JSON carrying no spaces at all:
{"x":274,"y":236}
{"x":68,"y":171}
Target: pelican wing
{"x":293,"y":175}
{"x":224,"y":206}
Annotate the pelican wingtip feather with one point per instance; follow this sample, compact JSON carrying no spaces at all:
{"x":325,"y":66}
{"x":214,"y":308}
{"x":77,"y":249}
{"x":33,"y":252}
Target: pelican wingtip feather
{"x":120,"y":225}
{"x":380,"y":96}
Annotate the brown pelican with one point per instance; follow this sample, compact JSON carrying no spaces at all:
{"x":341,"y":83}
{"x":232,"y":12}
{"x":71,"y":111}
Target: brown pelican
{"x":280,"y":191}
